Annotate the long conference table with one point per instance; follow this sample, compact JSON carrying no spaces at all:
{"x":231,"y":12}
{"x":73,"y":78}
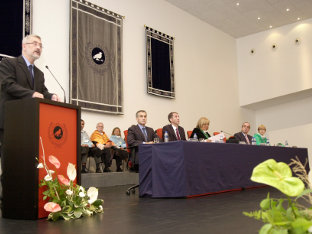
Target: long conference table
{"x":185,"y":169}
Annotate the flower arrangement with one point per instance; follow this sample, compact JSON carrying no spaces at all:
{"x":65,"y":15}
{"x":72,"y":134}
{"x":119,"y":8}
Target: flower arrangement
{"x":66,"y":199}
{"x":284,"y":215}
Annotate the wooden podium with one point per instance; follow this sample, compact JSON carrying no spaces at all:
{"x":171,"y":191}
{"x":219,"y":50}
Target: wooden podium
{"x":58,"y":124}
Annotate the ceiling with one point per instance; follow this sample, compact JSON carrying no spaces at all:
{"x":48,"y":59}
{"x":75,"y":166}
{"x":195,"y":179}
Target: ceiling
{"x":239,"y":18}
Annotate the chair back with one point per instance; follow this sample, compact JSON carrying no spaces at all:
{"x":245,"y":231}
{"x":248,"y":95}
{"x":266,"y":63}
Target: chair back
{"x":159,"y":133}
{"x":126,"y":140}
{"x":189,"y":133}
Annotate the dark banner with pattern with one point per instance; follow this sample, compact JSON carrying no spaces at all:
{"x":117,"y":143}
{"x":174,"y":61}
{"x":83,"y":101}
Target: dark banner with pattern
{"x":96,"y":55}
{"x":160,"y":66}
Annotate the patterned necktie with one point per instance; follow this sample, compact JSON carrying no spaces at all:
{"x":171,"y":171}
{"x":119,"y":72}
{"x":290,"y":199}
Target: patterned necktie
{"x":178,"y":135}
{"x":145,"y":134}
{"x":30,"y":68}
{"x":247,"y":140}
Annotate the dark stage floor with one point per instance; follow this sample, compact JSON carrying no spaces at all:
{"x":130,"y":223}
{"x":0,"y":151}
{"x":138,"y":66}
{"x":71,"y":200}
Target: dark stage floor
{"x":220,"y":213}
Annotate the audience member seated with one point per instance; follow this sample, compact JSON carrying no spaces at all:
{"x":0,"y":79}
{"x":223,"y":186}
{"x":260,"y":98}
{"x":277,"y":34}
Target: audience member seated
{"x":139,"y":134}
{"x":88,"y":148}
{"x":260,"y":136}
{"x":201,"y":129}
{"x":121,"y":147}
{"x":107,"y":147}
{"x":175,"y":132}
{"x":243,"y":135}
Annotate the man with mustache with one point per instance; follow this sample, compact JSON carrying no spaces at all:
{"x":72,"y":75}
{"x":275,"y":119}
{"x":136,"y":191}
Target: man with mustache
{"x":20,"y":78}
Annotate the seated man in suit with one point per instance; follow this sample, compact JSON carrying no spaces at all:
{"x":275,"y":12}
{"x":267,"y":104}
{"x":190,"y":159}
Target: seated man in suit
{"x":175,"y":132}
{"x":139,"y":134}
{"x":88,"y":148}
{"x":243,"y":135}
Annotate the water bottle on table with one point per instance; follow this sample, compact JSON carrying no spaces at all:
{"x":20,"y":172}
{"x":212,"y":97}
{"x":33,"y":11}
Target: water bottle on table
{"x":253,"y":141}
{"x":166,"y":137}
{"x":286,"y":143}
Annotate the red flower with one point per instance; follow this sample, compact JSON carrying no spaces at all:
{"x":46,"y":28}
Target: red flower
{"x":52,"y":207}
{"x":63,"y":180}
{"x":54,"y":161}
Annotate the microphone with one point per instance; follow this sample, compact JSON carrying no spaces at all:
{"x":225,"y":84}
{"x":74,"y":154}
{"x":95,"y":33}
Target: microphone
{"x":57,"y":82}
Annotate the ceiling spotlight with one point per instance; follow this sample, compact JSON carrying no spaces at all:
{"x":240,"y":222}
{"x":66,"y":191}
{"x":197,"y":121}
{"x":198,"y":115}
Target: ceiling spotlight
{"x":237,"y":4}
{"x":298,"y":18}
{"x":259,"y":18}
{"x":270,"y":26}
{"x":287,"y":9}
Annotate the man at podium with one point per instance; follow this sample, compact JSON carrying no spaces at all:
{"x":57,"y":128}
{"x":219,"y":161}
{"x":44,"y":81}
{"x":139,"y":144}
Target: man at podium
{"x":20,"y":78}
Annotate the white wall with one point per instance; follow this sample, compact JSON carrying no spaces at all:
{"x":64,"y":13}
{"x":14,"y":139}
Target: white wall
{"x":206,"y":80}
{"x":277,"y":84}
{"x":270,"y":73}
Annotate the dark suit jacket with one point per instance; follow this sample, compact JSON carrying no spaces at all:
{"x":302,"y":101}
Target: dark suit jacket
{"x":240,"y":137}
{"x":136,"y":137}
{"x":199,"y":134}
{"x":16,"y":82}
{"x":171,"y":133}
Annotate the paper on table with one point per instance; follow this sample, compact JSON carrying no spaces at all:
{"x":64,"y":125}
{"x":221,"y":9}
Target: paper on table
{"x":217,"y":138}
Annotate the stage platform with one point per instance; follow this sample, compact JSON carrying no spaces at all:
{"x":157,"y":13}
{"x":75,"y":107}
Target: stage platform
{"x":221,"y":213}
{"x":109,"y":179}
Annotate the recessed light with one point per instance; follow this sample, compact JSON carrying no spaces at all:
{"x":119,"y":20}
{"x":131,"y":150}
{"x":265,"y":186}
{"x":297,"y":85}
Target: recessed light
{"x":298,"y":18}
{"x":237,"y":4}
{"x":271,"y":26}
{"x":287,"y":9}
{"x":259,"y":18}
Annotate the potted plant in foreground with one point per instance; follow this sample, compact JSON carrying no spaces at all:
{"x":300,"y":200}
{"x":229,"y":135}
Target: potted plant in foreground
{"x":284,"y":215}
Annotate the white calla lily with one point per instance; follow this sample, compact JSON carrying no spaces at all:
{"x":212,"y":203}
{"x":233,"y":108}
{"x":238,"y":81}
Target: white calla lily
{"x":92,"y":194}
{"x":40,"y":165}
{"x":82,"y":194}
{"x":71,"y":171}
{"x":48,"y":178}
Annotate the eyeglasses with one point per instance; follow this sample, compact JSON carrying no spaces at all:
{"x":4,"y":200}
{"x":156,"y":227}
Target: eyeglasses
{"x":34,"y":43}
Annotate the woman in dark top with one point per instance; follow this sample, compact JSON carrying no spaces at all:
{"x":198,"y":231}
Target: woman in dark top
{"x":201,"y":129}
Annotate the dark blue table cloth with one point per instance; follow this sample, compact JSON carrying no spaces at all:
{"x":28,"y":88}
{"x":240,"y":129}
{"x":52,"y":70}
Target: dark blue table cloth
{"x":183,"y":168}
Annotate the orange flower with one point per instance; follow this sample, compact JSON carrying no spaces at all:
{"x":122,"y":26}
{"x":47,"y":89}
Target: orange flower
{"x":63,"y":180}
{"x":54,"y":161}
{"x":52,"y":207}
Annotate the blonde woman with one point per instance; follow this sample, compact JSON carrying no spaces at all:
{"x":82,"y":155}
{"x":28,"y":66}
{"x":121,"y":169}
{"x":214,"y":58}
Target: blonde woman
{"x":260,"y":136}
{"x":201,"y":129}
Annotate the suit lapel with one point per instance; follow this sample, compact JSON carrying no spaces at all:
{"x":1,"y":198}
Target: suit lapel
{"x":24,"y":67}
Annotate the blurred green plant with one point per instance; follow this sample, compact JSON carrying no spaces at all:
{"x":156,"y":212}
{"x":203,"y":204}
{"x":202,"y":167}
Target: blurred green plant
{"x":284,"y":215}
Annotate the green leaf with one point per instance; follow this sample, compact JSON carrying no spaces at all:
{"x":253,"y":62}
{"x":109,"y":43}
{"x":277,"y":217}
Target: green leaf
{"x":98,"y":202}
{"x":305,"y":192}
{"x":277,"y":175}
{"x":265,"y":204}
{"x":265,"y":229}
{"x":77,"y":213}
{"x":300,"y":225}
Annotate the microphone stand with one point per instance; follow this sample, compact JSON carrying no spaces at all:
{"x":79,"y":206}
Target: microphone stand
{"x":57,"y":82}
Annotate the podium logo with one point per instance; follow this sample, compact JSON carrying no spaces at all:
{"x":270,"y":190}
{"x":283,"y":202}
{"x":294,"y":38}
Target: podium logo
{"x":57,"y":133}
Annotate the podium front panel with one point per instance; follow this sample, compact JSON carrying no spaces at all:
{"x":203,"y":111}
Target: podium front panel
{"x":58,"y":130}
